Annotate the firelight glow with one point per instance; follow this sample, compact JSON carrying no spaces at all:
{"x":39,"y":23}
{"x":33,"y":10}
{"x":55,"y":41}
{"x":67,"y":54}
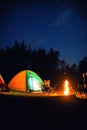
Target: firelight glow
{"x":66,"y":87}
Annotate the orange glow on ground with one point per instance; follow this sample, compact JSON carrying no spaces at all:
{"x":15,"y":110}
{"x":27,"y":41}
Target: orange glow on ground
{"x":66,"y":87}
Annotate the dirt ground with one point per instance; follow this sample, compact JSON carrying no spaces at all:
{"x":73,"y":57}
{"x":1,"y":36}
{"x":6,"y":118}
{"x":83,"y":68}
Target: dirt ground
{"x":63,"y":112}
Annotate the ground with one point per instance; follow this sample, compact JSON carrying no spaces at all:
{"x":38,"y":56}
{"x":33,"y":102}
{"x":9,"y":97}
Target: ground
{"x":44,"y":112}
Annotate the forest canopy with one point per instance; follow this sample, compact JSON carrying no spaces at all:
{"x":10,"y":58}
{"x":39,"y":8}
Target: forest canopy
{"x":47,"y":64}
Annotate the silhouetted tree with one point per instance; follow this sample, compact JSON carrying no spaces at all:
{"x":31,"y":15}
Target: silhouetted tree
{"x":73,"y":75}
{"x":82,"y":69}
{"x":47,"y":64}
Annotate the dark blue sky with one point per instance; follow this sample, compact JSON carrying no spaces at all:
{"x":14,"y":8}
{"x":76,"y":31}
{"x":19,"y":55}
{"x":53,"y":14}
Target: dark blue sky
{"x":60,"y":24}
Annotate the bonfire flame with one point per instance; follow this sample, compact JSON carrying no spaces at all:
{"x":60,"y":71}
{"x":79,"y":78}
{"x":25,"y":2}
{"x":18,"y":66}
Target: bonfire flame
{"x":66,"y":87}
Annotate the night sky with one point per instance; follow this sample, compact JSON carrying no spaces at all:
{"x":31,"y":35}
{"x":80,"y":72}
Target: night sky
{"x":60,"y":24}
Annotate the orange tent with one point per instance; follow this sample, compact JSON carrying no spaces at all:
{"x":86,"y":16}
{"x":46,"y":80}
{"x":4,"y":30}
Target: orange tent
{"x":25,"y":81}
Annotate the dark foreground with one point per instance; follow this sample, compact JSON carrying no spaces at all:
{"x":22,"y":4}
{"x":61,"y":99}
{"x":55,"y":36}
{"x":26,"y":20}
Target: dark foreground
{"x":43,"y":112}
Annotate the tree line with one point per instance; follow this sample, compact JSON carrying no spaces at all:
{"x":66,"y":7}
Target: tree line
{"x":47,"y":65}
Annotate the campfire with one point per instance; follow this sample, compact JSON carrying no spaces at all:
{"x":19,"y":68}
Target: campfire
{"x":66,"y":87}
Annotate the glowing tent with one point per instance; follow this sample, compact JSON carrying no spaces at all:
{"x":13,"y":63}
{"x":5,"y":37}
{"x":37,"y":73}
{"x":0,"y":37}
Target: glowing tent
{"x":3,"y":86}
{"x":1,"y":80}
{"x":25,"y":81}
